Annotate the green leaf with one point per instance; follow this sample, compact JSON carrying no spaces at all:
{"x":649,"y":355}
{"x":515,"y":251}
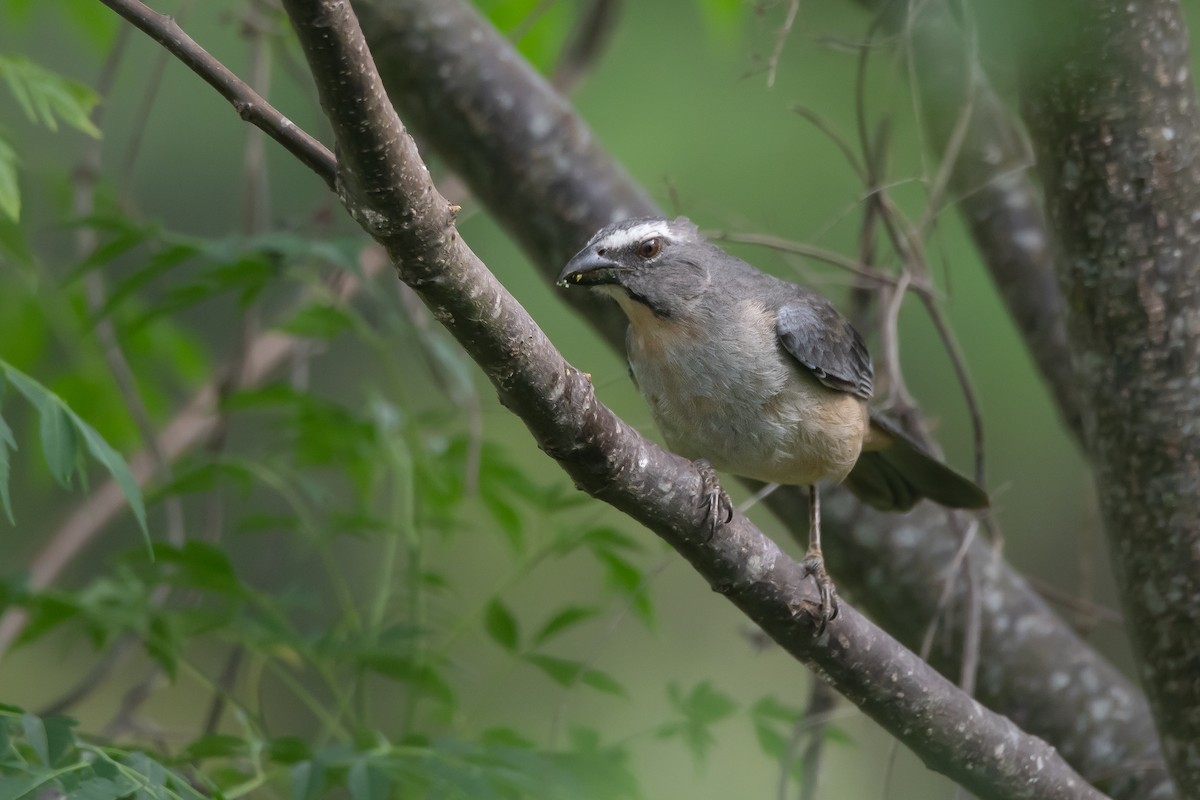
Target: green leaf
{"x":23,"y":788}
{"x":505,"y":514}
{"x":61,"y":430}
{"x":768,"y":708}
{"x":47,"y":612}
{"x":111,"y":460}
{"x":59,"y":442}
{"x":164,"y":643}
{"x":161,"y":262}
{"x":14,"y":249}
{"x":560,"y":670}
{"x":700,"y":709}
{"x":568,"y":673}
{"x":307,"y":779}
{"x":424,"y":679}
{"x":367,"y":782}
{"x":775,"y":729}
{"x":7,"y":442}
{"x":60,"y":739}
{"x":98,"y":788}
{"x":501,"y":625}
{"x":206,"y":476}
{"x":215,"y":745}
{"x":564,"y":620}
{"x":10,"y":190}
{"x":48,"y":98}
{"x":288,"y":750}
{"x":127,"y":238}
{"x":505,"y":737}
{"x":318,"y":321}
{"x":626,"y":578}
{"x":773,"y":743}
{"x":200,"y":565}
{"x":150,"y":779}
{"x":35,"y":735}
{"x":603,"y":682}
{"x":703,"y":703}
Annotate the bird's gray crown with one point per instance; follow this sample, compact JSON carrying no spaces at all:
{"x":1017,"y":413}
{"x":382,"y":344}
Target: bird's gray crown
{"x":629,"y":232}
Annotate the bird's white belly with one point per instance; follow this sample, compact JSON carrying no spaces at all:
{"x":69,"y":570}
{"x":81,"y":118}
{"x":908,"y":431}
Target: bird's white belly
{"x":776,"y":423}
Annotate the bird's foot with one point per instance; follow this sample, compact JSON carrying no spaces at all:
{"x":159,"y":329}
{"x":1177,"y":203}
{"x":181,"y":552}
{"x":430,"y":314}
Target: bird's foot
{"x":718,"y":508}
{"x":814,"y":565}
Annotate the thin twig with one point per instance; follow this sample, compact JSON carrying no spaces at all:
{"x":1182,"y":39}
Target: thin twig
{"x":889,"y":339}
{"x":1080,"y":606}
{"x":592,"y":33}
{"x":86,"y":175}
{"x":133,"y":148}
{"x":839,"y":141}
{"x":92,"y":680}
{"x":780,"y":40}
{"x":822,"y":705}
{"x":246,"y":101}
{"x":530,"y":20}
{"x":873,"y":276}
{"x":256,"y":215}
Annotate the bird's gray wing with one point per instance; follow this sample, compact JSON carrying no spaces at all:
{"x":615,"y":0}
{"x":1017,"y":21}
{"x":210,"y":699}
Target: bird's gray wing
{"x":815,"y":334}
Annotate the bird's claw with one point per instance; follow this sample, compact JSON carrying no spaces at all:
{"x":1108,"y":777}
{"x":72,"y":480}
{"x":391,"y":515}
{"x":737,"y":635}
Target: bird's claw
{"x":814,"y":565}
{"x":718,"y":508}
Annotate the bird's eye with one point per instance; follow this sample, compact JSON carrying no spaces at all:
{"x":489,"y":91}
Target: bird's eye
{"x":649,"y":248}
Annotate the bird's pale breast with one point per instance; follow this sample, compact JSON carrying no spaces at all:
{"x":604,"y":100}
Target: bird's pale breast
{"x":713,"y":396}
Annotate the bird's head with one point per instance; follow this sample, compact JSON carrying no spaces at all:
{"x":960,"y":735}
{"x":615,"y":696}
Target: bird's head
{"x":656,"y":263}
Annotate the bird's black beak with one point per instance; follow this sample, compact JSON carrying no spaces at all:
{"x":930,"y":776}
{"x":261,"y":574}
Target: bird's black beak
{"x":589,"y":268}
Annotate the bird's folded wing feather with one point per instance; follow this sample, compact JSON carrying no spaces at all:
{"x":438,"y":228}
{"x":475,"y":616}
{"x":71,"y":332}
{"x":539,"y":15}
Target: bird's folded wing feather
{"x":815,"y":334}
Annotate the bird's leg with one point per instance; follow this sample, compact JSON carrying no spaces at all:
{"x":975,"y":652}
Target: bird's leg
{"x":718,"y":508}
{"x":814,"y":562}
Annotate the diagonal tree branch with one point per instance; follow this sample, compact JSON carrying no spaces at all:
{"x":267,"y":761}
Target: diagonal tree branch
{"x":1108,"y":96}
{"x":533,"y":162}
{"x":388,"y":191}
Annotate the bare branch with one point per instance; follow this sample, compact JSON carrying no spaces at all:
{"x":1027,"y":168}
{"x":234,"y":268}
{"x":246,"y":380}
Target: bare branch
{"x":552,"y":187}
{"x":781,"y":38}
{"x":592,"y":33}
{"x":390,"y":194}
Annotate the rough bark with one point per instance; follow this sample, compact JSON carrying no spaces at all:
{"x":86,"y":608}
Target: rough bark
{"x":550,"y":183}
{"x":386,"y":188}
{"x":1108,"y":97}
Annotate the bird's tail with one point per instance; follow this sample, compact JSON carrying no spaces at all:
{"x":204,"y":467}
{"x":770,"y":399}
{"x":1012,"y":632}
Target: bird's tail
{"x":894,"y":472}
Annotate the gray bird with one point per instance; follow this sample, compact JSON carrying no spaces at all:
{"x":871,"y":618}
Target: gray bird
{"x":756,"y":376}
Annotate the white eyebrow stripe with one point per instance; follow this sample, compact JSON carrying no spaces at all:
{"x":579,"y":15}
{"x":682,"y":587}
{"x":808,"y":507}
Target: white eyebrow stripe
{"x":623,"y":238}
